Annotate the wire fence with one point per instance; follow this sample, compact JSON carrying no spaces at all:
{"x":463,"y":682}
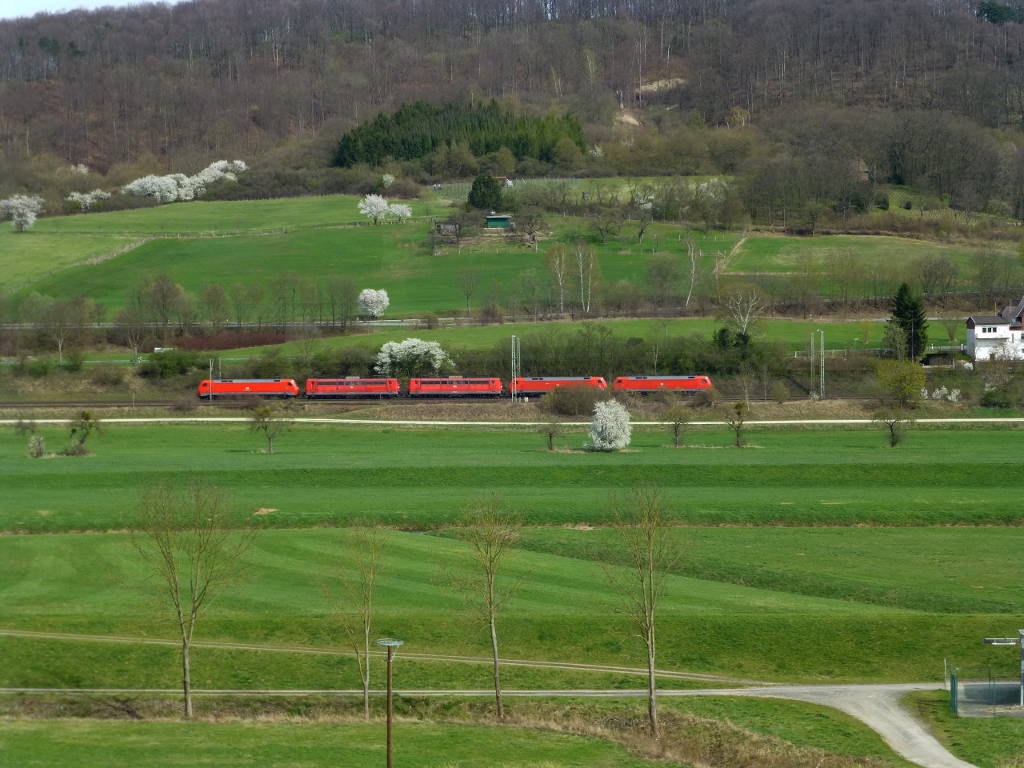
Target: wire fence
{"x":985,"y":692}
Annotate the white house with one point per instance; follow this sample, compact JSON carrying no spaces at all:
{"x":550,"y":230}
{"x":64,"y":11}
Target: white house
{"x":1002,"y":335}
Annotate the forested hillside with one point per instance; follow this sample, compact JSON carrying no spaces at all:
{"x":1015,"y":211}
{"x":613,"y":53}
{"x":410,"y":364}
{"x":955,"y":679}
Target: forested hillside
{"x":923,"y":92}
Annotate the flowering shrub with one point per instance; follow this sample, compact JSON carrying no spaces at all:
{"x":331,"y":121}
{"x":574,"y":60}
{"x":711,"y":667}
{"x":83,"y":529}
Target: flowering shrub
{"x":86,"y":199}
{"x":178,"y":186}
{"x":400,"y":211}
{"x":411,"y":357}
{"x":22,"y":210}
{"x":610,"y":429}
{"x":373,"y":302}
{"x":374,"y":207}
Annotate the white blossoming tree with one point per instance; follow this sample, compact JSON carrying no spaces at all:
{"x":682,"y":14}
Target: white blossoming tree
{"x":86,"y":199}
{"x":610,"y":430}
{"x":178,"y":186}
{"x":400,"y":211}
{"x":411,"y":357}
{"x":375,"y":208}
{"x":372,"y":302}
{"x":23,"y":210}
{"x":387,"y":180}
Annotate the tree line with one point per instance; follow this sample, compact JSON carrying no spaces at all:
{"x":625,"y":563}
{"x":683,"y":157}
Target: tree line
{"x":915,"y":91}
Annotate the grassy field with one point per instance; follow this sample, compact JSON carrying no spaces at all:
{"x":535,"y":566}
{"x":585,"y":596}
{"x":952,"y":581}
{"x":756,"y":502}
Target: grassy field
{"x":29,"y":256}
{"x":996,"y":742}
{"x":971,"y":568}
{"x":420,"y":478}
{"x":199,"y":217}
{"x":397,"y":258}
{"x":781,"y":254}
{"x":718,"y":731}
{"x":260,"y":242}
{"x":97,"y":744}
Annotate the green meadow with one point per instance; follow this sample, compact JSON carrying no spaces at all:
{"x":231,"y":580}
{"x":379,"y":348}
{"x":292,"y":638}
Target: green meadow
{"x":781,"y":254}
{"x":996,"y":742}
{"x":395,"y":257}
{"x":200,"y":218}
{"x":262,"y":241}
{"x":423,"y":478}
{"x":708,"y":726}
{"x":98,"y":744}
{"x":28,"y":256}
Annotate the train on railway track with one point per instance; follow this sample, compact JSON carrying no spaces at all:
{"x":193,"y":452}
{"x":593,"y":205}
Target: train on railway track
{"x":351,"y":388}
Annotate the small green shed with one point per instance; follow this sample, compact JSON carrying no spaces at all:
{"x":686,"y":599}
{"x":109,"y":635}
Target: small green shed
{"x":499,"y":221}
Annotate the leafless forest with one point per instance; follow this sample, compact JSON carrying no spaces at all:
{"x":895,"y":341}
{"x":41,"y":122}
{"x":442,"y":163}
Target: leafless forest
{"x":186,"y":82}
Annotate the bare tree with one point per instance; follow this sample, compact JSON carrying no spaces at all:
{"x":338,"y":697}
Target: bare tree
{"x":468,"y":281}
{"x":586,"y":269}
{"x":741,"y":308}
{"x":188,"y":538}
{"x":558,"y":264}
{"x":678,"y":417}
{"x":896,"y":422}
{"x":490,"y":532}
{"x":952,"y":324}
{"x":735,"y":418}
{"x":552,"y":430}
{"x":693,"y":255}
{"x":643,"y":534}
{"x":266,"y":419}
{"x":358,"y":567}
{"x":530,"y":223}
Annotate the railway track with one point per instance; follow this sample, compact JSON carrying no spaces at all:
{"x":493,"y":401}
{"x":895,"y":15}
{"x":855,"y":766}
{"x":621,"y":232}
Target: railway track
{"x":243,"y":404}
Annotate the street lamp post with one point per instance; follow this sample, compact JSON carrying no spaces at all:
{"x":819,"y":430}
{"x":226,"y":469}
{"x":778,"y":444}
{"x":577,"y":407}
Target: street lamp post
{"x":391,"y":644}
{"x":1018,"y":641}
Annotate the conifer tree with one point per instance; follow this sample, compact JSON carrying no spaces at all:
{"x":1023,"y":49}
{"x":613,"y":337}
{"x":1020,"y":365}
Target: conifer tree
{"x":908,"y":314}
{"x":485,"y":193}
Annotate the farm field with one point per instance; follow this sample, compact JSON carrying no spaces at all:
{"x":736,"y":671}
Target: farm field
{"x":421,"y":478}
{"x":395,"y":257}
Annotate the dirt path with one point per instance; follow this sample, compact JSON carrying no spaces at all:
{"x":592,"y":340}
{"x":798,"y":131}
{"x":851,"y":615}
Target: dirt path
{"x":451,"y":658}
{"x":877,"y":706}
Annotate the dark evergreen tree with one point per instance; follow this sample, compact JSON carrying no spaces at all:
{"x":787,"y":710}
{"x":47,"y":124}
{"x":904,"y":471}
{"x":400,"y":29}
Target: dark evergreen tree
{"x":418,"y":129}
{"x":908,"y":315}
{"x":485,"y":194}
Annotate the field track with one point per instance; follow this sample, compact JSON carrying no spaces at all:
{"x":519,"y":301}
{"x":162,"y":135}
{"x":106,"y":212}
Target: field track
{"x":614,"y":669}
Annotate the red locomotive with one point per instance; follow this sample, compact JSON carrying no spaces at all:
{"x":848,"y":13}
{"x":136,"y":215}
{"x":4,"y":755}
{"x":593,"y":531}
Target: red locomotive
{"x":351,"y":387}
{"x":455,"y":386}
{"x":211,"y":388}
{"x":538,"y":385}
{"x":644,"y":385}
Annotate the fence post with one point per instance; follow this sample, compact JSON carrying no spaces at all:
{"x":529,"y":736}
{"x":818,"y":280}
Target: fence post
{"x":954,"y":691}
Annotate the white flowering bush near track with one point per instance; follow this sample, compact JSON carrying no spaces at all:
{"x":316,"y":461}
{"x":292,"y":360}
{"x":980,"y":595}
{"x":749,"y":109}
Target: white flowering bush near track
{"x":373,"y":302}
{"x":23,"y":210}
{"x":179,"y":187}
{"x":610,"y":429}
{"x":411,"y":357}
{"x":86,"y":199}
